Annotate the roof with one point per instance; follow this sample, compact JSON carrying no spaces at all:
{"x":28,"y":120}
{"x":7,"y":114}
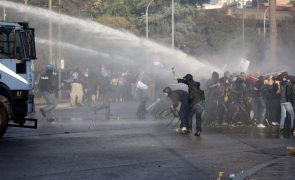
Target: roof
{"x":16,"y":25}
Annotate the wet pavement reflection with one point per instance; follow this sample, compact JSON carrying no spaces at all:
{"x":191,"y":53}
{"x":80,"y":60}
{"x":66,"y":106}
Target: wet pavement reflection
{"x":82,"y":144}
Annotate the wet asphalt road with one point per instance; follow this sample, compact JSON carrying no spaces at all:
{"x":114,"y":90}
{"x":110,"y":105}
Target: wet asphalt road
{"x":81,"y":145}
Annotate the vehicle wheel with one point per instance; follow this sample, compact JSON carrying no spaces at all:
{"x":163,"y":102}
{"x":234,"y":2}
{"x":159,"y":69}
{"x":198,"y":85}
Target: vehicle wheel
{"x":3,"y":119}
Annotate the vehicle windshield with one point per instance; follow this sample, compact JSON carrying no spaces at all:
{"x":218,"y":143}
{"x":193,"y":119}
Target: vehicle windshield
{"x":17,"y":44}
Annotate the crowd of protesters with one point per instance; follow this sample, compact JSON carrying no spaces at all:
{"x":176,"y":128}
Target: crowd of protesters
{"x":239,"y":100}
{"x":231,"y":100}
{"x":254,"y":99}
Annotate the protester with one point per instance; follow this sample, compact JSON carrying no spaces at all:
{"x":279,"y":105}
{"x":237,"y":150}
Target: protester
{"x":77,"y":90}
{"x":196,"y":102}
{"x":182,"y":97}
{"x":287,"y":98}
{"x":239,"y":101}
{"x":224,"y":99}
{"x":91,"y":88}
{"x":211,"y":94}
{"x":258,"y":103}
{"x":141,"y":92}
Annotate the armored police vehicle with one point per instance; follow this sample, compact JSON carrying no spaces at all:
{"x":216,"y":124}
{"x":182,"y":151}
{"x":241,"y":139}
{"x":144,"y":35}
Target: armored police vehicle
{"x":17,"y":52}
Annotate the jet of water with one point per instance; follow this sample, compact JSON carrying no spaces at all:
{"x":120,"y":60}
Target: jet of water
{"x":80,"y":49}
{"x":110,"y":41}
{"x":72,"y":47}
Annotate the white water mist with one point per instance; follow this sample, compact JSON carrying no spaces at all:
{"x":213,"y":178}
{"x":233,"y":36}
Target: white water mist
{"x":113,"y":42}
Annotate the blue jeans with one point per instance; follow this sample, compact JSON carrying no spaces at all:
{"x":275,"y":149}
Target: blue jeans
{"x":284,"y":108}
{"x":183,"y":111}
{"x":259,"y":108}
{"x":197,"y":109}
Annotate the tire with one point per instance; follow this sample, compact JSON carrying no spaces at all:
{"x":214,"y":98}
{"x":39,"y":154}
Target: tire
{"x":3,"y":119}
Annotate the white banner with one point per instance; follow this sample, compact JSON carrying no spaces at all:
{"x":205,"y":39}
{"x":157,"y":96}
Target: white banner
{"x":244,"y":65}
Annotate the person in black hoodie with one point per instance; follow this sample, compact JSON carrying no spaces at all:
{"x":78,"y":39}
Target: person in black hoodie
{"x":196,"y":101}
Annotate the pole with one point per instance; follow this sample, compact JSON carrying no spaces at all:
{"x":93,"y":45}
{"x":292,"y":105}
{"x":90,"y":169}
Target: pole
{"x":59,"y":53}
{"x":172,"y":23}
{"x":26,"y":14}
{"x":273,"y":31}
{"x":243,"y":29}
{"x":4,"y":14}
{"x":264,"y":21}
{"x":50,"y":33}
{"x":147,"y":20}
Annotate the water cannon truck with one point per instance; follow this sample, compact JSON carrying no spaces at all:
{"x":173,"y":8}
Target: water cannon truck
{"x":17,"y":53}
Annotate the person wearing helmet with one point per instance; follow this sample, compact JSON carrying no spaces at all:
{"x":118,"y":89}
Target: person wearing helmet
{"x":196,"y":101}
{"x":179,"y":96}
{"x":105,"y":90}
{"x":48,"y":86}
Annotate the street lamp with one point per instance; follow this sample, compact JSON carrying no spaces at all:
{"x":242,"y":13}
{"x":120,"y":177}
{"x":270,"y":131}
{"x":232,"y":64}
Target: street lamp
{"x":243,"y":28}
{"x":26,"y":15}
{"x":264,"y":19}
{"x":59,"y":52}
{"x":147,"y":20}
{"x":4,"y":14}
{"x":50,"y":33}
{"x":172,"y":23}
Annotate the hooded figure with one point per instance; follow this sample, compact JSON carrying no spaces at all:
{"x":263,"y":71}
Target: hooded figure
{"x":196,"y":101}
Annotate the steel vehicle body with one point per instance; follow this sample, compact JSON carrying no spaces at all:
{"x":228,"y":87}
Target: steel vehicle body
{"x":17,"y":52}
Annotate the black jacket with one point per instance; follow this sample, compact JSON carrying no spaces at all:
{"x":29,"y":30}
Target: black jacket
{"x":48,"y":83}
{"x":179,"y":96}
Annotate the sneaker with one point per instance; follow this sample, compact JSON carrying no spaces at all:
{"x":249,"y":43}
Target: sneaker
{"x":198,"y":133}
{"x":184,"y":129}
{"x":261,"y":126}
{"x":43,"y":112}
{"x":275,"y":123}
{"x":179,"y":130}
